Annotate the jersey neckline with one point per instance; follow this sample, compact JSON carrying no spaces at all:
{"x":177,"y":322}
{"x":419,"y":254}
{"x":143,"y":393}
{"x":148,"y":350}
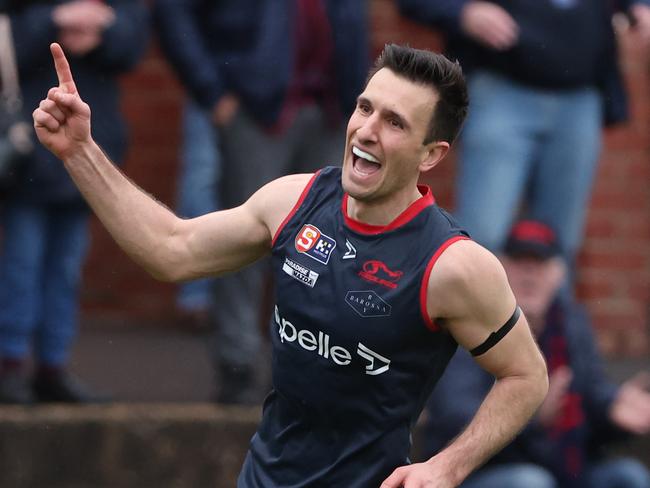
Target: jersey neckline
{"x":426,"y":200}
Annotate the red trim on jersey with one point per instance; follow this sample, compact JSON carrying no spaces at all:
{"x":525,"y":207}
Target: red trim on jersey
{"x":295,"y":208}
{"x":407,"y":215}
{"x":425,"y":281}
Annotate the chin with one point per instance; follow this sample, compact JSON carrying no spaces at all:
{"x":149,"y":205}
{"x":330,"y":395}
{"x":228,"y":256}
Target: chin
{"x":354,"y":189}
{"x":365,"y":195}
{"x":350,"y":188}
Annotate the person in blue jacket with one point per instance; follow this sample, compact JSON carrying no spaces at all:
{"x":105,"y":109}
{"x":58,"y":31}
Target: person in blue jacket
{"x":583,"y":411}
{"x":543,"y":79}
{"x":277,"y":78}
{"x":44,"y":218}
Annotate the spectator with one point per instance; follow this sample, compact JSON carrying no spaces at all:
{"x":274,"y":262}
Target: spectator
{"x":277,"y":77}
{"x":543,"y":78}
{"x":583,"y":412}
{"x":44,"y":219}
{"x":200,"y":161}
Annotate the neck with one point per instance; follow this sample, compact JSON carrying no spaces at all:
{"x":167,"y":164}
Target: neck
{"x":382,"y":211}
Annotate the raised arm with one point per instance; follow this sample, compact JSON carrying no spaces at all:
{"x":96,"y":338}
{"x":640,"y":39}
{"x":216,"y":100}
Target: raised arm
{"x":470,"y":291}
{"x":168,"y":247}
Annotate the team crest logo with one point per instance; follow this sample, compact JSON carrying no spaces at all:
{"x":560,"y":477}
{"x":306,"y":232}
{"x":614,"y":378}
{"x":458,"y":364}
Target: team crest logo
{"x":367,"y":303}
{"x":377,"y":272}
{"x":314,"y":243}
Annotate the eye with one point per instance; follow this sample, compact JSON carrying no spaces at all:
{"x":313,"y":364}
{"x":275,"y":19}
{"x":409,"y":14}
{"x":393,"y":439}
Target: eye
{"x":364,"y":108}
{"x":396,"y":123}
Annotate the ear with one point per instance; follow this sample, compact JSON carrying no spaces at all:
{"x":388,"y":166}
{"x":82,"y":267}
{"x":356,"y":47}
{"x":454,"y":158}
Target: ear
{"x":433,"y":153}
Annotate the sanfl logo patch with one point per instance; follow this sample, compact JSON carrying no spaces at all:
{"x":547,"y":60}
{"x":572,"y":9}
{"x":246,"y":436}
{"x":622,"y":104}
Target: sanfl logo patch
{"x":312,"y":242}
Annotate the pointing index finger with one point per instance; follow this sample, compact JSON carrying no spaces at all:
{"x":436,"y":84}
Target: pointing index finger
{"x":62,"y":69}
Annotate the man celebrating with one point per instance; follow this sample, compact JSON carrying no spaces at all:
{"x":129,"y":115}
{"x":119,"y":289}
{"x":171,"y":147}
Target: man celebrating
{"x":376,"y":284}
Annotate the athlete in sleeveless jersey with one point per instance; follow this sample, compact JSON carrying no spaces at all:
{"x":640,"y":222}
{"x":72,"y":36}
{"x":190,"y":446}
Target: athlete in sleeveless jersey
{"x":356,"y":347}
{"x":354,"y":352}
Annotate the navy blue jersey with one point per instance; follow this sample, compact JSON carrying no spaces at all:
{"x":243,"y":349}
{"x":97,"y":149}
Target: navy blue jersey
{"x":355,"y":354}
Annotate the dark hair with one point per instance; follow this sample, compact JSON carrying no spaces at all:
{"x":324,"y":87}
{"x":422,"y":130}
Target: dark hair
{"x":445,"y":76}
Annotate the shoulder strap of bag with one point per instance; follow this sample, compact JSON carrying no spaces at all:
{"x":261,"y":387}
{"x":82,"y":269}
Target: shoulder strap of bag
{"x":8,"y":69}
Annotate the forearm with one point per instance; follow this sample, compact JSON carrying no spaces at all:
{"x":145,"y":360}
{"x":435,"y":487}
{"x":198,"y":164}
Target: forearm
{"x":140,"y":225}
{"x":506,"y":409}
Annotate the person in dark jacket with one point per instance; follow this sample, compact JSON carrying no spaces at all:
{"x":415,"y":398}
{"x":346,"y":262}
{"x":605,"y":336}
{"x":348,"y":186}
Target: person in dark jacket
{"x":543,"y":78}
{"x":583,"y":411}
{"x":44,"y":218}
{"x":278,"y":78}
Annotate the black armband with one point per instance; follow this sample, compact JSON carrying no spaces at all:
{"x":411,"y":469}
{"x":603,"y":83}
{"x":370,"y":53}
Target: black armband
{"x":495,"y":337}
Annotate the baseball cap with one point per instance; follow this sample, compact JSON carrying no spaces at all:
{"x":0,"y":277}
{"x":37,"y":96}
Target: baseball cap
{"x":532,"y":238}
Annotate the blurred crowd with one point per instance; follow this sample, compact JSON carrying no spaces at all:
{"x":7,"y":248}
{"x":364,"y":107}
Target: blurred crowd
{"x":268,"y":85}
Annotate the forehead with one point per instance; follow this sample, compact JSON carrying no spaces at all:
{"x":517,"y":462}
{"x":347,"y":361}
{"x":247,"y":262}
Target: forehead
{"x":393,"y":92}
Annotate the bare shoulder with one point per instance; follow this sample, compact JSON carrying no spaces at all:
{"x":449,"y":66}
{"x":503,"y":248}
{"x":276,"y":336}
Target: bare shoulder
{"x":469,"y":281}
{"x":465,"y":264}
{"x":275,"y":200}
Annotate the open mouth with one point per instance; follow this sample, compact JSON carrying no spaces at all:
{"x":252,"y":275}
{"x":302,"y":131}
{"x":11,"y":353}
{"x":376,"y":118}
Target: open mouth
{"x":363,"y":162}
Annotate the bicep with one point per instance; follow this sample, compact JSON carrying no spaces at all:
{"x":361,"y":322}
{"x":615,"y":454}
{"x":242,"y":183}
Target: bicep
{"x":483,"y":303}
{"x":516,"y":354}
{"x":513,"y":353}
{"x":223,"y":241}
{"x":227,"y":240}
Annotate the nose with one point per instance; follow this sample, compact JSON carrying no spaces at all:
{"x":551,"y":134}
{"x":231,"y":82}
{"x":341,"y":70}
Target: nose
{"x":369,"y":128}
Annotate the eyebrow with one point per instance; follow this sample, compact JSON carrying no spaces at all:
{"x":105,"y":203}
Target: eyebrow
{"x":386,"y":112}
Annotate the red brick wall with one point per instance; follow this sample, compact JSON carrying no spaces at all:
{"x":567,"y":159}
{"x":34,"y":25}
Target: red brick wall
{"x":615,"y":263}
{"x":614,"y":267}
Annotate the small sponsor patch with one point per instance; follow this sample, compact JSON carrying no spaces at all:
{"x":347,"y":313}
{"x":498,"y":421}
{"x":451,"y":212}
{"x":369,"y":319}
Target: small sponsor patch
{"x":367,"y":303}
{"x":312,"y":242}
{"x":300,"y":272}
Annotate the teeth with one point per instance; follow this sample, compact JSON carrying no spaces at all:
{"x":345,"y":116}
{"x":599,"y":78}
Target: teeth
{"x":364,"y":155}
